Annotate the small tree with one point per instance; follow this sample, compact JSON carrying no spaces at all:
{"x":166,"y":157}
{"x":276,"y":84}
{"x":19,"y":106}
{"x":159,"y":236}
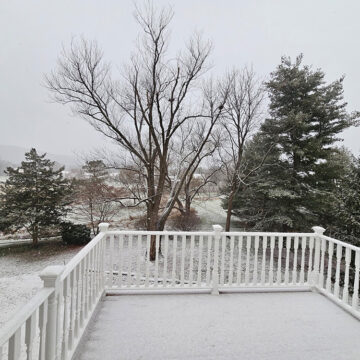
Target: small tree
{"x":34,"y":196}
{"x":96,"y":199}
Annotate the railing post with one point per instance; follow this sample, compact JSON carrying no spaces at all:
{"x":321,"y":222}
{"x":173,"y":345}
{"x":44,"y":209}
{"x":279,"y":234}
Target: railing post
{"x":215,"y":272}
{"x":319,"y":231}
{"x":103,"y":228}
{"x":51,"y":278}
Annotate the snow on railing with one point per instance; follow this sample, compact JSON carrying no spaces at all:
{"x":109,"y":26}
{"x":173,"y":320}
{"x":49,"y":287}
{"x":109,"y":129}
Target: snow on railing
{"x":50,"y":326}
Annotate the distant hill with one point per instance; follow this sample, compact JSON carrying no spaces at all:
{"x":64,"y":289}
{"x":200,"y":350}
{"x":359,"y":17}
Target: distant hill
{"x":13,"y":155}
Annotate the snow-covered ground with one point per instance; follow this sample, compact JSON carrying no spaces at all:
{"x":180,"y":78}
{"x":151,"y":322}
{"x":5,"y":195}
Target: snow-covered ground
{"x":211,"y":212}
{"x":19,"y":270}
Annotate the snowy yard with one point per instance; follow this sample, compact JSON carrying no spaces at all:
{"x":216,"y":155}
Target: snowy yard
{"x":19,"y":270}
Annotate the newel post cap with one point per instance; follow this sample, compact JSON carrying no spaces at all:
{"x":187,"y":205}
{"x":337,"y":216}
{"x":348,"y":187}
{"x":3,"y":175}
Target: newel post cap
{"x":217,"y":228}
{"x":103,"y":227}
{"x":51,"y":275}
{"x":318,"y":230}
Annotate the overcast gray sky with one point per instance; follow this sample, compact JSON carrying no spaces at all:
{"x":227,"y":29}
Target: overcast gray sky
{"x":243,"y":32}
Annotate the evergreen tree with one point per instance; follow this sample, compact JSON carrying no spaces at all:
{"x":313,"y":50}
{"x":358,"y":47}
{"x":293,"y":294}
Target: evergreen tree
{"x":345,"y":209}
{"x":306,"y":116}
{"x":34,"y":196}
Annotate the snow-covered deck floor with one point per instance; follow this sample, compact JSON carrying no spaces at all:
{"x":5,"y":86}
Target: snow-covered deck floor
{"x":287,"y":326}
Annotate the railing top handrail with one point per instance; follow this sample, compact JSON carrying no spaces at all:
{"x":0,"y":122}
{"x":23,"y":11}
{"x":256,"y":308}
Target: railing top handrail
{"x":342,"y":243}
{"x":70,"y":266}
{"x":25,"y":312}
{"x":157,"y":232}
{"x":206,"y":233}
{"x":265,"y":233}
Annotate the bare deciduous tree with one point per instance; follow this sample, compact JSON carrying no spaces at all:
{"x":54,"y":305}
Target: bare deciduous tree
{"x":95,"y":199}
{"x":243,"y":111}
{"x":158,"y":95}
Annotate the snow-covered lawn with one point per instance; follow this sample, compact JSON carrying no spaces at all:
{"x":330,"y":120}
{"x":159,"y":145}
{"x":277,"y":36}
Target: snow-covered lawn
{"x":19,"y":270}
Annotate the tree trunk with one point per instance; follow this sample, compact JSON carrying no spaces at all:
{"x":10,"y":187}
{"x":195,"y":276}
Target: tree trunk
{"x":35,"y":236}
{"x":152,"y":219}
{"x":229,"y":210}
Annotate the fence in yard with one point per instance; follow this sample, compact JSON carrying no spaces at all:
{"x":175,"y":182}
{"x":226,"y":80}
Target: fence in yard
{"x":50,"y":326}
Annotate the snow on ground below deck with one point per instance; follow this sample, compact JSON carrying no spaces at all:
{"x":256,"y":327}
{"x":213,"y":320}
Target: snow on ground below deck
{"x":19,"y":273}
{"x":271,"y":326}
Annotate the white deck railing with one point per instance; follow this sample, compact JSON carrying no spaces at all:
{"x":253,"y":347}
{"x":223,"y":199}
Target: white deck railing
{"x":50,"y":326}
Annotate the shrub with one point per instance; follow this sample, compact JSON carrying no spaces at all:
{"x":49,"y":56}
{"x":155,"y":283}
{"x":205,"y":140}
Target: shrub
{"x":185,"y":222}
{"x":75,"y":234}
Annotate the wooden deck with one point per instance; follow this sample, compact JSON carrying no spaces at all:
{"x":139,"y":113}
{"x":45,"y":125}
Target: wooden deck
{"x":272,"y":326}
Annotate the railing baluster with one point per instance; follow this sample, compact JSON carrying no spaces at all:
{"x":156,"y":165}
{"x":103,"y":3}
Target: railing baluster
{"x":166,"y":250}
{"x":294,"y":272}
{"x":15,"y":345}
{"x":239,"y":260}
{"x":42,"y":326}
{"x":310,"y":262}
{"x":222,"y":266}
{"x":121,"y":259}
{"x":247,"y":266}
{"x":201,"y":242}
{"x":77,"y":296}
{"x":337,"y":274}
{"x":322,"y":263}
{"x":182,"y":267}
{"x":84,"y":285}
{"x":91,"y":278}
{"x":148,"y":242}
{"x":130,"y":250}
{"x":85,"y":297}
{"x":263,"y":260}
{"x":280,"y":245}
{"x":98,"y":263}
{"x":345,"y":297}
{"x":302,"y":266}
{"x":288,"y":245}
{"x":157,"y":250}
{"x":99,"y":251}
{"x":231,"y":266}
{"x":173,"y":272}
{"x":67,"y":304}
{"x":192,"y":241}
{"x":111,"y":265}
{"x":59,"y":321}
{"x":256,"y":258}
{"x":72,"y":309}
{"x":355,"y":298}
{"x":330,"y":261}
{"x":30,"y":331}
{"x":138,"y":258}
{"x":208,"y":260}
{"x":271,"y":265}
{"x":95,"y":281}
{"x":102,"y":267}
